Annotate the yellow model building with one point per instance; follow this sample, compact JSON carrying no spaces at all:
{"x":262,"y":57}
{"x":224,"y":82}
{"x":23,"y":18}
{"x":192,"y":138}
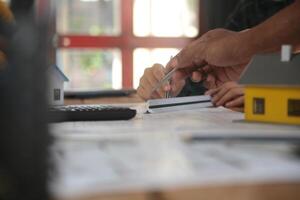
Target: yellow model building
{"x":272,"y":91}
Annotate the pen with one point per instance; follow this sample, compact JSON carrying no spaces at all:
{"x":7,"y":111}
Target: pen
{"x":170,"y":74}
{"x":168,"y":93}
{"x":164,"y":80}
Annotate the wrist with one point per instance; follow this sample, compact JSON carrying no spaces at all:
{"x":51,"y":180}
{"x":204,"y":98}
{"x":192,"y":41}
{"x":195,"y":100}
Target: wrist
{"x":249,"y":45}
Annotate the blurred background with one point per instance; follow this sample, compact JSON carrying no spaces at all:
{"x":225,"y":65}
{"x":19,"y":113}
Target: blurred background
{"x":107,"y":44}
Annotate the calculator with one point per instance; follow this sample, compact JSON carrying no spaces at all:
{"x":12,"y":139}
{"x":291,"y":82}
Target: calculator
{"x":89,"y":113}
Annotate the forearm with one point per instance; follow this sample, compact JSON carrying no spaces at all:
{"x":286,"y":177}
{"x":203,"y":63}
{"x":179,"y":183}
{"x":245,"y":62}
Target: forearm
{"x":282,"y":28}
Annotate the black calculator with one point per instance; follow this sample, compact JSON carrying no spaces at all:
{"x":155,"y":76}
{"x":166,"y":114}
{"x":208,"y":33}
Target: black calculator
{"x":89,"y":113}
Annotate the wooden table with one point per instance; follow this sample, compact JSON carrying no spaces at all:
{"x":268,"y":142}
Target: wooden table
{"x":271,"y":191}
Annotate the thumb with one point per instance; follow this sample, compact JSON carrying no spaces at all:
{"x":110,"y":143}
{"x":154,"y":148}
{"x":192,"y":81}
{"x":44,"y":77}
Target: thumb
{"x":173,"y":63}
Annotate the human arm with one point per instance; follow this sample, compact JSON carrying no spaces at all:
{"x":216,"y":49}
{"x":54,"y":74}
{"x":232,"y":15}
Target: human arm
{"x":267,"y":37}
{"x":282,"y":28}
{"x":231,"y":49}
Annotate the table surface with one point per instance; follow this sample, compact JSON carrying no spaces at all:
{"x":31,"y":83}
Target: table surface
{"x":148,"y":158}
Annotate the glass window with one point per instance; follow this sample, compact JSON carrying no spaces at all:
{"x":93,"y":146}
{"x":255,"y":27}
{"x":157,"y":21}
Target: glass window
{"x":294,"y":107}
{"x":86,"y":23}
{"x":56,"y":94}
{"x":258,"y":106}
{"x":167,"y":18}
{"x":144,"y":58}
{"x":88,"y":17}
{"x":90,"y":69}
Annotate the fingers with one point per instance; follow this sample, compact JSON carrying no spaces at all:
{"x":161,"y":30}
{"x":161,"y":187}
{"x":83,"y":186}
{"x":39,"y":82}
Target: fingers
{"x":142,"y":93}
{"x":144,"y":89}
{"x":194,"y":53}
{"x":149,"y":81}
{"x":238,"y":102}
{"x":218,"y":93}
{"x":173,"y":63}
{"x":156,"y":74}
{"x":180,"y":75}
{"x":184,"y":58}
{"x":155,"y":95}
{"x":196,"y":77}
{"x":158,"y":71}
{"x":177,"y":87}
{"x":212,"y":92}
{"x":210,"y":81}
{"x":230,"y":94}
{"x":188,"y":57}
{"x":205,"y":74}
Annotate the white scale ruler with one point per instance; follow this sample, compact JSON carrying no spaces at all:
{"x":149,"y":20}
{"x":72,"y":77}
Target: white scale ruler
{"x":178,"y":103}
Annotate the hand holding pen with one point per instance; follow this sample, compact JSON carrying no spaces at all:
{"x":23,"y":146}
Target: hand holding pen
{"x":155,"y":83}
{"x":167,"y":80}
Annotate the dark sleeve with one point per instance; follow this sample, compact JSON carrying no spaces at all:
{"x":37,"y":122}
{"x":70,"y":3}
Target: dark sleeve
{"x":249,"y":13}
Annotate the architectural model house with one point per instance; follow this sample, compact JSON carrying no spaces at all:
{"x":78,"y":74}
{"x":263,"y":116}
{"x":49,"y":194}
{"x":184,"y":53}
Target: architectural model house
{"x":56,"y":86}
{"x":272,"y":91}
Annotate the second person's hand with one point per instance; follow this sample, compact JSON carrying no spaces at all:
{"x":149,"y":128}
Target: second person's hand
{"x":229,"y":95}
{"x":151,"y":77}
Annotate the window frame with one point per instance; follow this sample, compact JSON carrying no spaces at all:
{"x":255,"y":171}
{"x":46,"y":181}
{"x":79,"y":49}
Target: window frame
{"x":294,"y":107}
{"x":126,"y":42}
{"x":259,"y":106}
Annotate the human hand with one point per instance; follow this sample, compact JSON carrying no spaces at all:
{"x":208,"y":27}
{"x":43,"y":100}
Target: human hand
{"x":151,"y":78}
{"x":194,"y":53}
{"x":229,"y":95}
{"x":214,"y":77}
{"x":219,"y":50}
